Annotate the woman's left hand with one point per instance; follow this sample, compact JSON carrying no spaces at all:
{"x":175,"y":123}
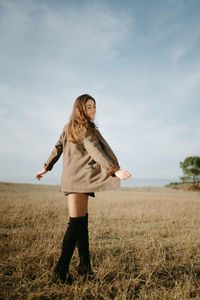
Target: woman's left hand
{"x":123,"y":174}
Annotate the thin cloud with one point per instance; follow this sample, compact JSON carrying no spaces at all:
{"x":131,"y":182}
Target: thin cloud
{"x":89,"y":30}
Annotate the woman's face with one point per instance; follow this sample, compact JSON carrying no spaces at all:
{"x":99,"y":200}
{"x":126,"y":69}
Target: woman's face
{"x":90,"y":108}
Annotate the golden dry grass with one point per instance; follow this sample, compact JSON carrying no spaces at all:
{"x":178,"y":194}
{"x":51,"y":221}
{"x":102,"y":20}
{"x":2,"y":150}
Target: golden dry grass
{"x":144,"y":244}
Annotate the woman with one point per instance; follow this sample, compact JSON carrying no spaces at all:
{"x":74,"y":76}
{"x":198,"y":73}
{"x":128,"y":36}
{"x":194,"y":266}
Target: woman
{"x":89,"y":165}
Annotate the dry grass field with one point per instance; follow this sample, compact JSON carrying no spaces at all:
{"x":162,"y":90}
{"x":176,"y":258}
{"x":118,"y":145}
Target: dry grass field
{"x":144,"y":243}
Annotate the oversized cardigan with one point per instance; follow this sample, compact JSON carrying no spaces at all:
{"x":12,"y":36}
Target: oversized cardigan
{"x":87,"y":167}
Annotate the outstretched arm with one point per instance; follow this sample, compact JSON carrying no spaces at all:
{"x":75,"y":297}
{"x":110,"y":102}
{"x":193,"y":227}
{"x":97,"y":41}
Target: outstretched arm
{"x":95,"y":150}
{"x":56,"y":153}
{"x":53,"y":157}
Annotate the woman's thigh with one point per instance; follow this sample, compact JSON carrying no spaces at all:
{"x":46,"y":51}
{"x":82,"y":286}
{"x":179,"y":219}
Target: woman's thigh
{"x":78,"y":205}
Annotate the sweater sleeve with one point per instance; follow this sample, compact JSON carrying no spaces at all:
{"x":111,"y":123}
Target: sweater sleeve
{"x":95,"y":150}
{"x":56,"y":153}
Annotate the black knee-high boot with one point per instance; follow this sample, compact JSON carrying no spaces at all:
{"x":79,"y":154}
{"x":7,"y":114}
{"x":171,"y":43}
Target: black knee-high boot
{"x":69,"y":242}
{"x":84,"y":267}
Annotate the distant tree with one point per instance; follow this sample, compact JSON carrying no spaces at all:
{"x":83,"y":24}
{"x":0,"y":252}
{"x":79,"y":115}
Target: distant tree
{"x":191,"y":170}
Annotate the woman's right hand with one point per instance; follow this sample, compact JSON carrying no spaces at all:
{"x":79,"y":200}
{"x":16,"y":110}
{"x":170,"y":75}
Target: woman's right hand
{"x":40,"y":174}
{"x":123,"y":174}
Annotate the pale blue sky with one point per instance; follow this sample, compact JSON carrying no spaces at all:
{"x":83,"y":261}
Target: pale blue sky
{"x":139,"y":59}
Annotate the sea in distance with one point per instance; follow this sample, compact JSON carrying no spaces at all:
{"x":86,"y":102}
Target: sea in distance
{"x":132,"y":182}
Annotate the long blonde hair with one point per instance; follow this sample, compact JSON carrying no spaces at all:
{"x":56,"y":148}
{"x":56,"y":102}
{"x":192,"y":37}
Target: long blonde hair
{"x":79,"y":122}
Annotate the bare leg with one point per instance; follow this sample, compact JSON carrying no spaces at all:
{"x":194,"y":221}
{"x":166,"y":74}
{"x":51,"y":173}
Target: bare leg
{"x":78,"y":205}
